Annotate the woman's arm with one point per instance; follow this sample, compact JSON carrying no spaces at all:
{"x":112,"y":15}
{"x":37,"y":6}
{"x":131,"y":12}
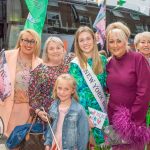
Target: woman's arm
{"x":47,"y":147}
{"x":35,"y":97}
{"x":83,"y":131}
{"x":140,"y":105}
{"x":131,"y":124}
{"x":36,"y":94}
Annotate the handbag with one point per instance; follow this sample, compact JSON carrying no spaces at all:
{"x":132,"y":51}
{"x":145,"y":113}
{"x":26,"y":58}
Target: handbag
{"x":1,"y":127}
{"x":2,"y":137}
{"x":33,"y":140}
{"x":111,"y":137}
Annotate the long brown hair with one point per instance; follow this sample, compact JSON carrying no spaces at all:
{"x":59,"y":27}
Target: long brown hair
{"x":97,"y":63}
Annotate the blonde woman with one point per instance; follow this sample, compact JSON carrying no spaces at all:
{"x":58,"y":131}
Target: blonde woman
{"x":24,"y":58}
{"x":142,"y":44}
{"x":87,"y":55}
{"x":44,"y":76}
{"x":128,"y":81}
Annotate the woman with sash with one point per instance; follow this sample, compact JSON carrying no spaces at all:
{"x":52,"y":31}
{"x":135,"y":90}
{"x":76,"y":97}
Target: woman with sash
{"x":14,"y":110}
{"x":89,"y":71}
{"x":128,"y":82}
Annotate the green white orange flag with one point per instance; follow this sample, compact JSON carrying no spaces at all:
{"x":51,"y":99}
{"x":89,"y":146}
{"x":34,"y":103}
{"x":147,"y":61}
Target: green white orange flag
{"x":37,"y":13}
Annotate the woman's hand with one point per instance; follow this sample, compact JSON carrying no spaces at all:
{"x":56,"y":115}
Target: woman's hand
{"x":47,"y":147}
{"x":41,"y":114}
{"x":91,"y":125}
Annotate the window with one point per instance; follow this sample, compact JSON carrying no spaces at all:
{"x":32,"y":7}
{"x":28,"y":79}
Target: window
{"x":14,"y":33}
{"x":148,"y":27}
{"x":53,"y":3}
{"x":54,"y":19}
{"x":80,"y":7}
{"x":117,"y":14}
{"x":139,"y":28}
{"x":135,"y":16}
{"x":76,"y":1}
{"x":84,"y":20}
{"x":51,"y":30}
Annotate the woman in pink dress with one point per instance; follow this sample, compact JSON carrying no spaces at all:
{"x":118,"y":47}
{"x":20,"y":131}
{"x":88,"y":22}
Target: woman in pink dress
{"x":128,"y":83}
{"x":14,"y":110}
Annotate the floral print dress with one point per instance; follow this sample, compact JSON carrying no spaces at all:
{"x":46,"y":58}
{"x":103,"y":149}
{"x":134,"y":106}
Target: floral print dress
{"x":86,"y":98}
{"x":42,"y":81}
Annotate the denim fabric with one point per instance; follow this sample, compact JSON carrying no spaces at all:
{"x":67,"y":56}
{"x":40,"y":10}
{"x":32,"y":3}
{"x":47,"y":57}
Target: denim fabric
{"x":75,"y":128}
{"x":19,"y":133}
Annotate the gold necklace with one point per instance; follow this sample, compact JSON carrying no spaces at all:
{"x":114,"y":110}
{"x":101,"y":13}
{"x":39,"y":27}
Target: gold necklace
{"x":23,"y":63}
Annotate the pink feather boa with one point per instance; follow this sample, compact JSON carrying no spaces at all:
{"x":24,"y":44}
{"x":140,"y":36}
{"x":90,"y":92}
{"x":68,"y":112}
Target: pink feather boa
{"x":128,"y":130}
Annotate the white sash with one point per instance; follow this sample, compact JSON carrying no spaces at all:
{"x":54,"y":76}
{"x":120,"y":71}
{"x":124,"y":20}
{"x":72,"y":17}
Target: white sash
{"x":94,"y":84}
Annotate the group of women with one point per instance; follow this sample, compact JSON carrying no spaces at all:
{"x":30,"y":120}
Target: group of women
{"x":125,"y":77}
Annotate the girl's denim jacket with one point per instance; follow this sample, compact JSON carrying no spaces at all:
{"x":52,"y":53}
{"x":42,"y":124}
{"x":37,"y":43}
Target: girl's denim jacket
{"x":75,"y":128}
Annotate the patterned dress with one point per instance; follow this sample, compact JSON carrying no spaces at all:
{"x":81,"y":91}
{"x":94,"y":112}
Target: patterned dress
{"x":42,"y":82}
{"x":86,"y":97}
{"x":20,"y":111}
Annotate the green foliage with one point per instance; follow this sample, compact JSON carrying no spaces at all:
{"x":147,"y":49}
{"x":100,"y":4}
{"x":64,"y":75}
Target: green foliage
{"x":104,"y":147}
{"x":148,"y":117}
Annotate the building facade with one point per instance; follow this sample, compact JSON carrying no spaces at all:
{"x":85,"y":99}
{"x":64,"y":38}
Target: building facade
{"x":63,"y":18}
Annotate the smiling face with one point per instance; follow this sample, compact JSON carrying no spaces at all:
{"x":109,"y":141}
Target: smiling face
{"x":64,"y":90}
{"x":55,"y":52}
{"x":117,"y":43}
{"x":27,"y":44}
{"x":144,"y":46}
{"x":86,"y":43}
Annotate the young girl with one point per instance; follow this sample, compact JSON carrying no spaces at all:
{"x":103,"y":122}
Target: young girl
{"x":70,"y":123}
{"x":86,"y":68}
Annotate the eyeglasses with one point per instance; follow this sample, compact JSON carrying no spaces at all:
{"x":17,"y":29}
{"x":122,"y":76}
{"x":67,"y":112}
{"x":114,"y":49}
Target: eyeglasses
{"x":26,"y":42}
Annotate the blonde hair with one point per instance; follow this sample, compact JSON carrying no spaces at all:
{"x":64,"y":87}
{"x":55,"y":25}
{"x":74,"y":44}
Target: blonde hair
{"x":138,"y":37}
{"x":36,"y":38}
{"x":122,"y":30}
{"x":68,"y":78}
{"x":103,"y":52}
{"x":97,"y":63}
{"x":50,"y":39}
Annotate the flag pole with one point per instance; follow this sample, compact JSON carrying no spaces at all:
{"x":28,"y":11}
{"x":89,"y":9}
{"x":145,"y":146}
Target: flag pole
{"x":51,"y":130}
